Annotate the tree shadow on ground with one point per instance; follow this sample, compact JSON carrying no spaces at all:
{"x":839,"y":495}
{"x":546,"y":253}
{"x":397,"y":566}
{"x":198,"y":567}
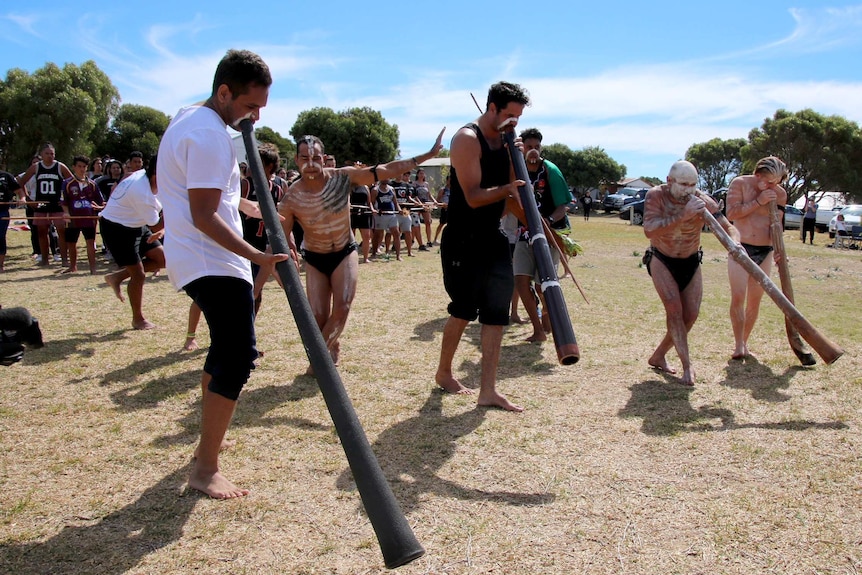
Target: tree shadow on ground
{"x":113,"y":544}
{"x":666,"y":411}
{"x":412,"y":452}
{"x":764,"y":385}
{"x":79,"y":345}
{"x":252,"y":410}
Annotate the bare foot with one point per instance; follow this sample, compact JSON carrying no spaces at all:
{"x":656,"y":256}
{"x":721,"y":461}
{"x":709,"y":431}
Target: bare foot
{"x":191,"y":344}
{"x":516,"y":319}
{"x":660,"y":363}
{"x":495,"y":399}
{"x":687,"y":378}
{"x":69,"y":270}
{"x":537,"y":337}
{"x":215,"y":485}
{"x":741,"y":352}
{"x":115,"y":284}
{"x":398,"y":259}
{"x":452,"y":385}
{"x":143,"y":325}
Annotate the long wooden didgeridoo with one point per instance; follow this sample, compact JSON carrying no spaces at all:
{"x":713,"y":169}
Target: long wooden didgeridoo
{"x":397,"y":541}
{"x":796,"y":344}
{"x":826,"y":349}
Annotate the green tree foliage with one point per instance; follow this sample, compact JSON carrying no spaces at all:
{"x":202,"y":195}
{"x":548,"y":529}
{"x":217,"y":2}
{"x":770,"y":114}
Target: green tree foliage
{"x":357,"y":134}
{"x":286,"y":148}
{"x":718,"y":162}
{"x":822,"y":153}
{"x":584,"y":169}
{"x":68,"y":106}
{"x":135,"y":128}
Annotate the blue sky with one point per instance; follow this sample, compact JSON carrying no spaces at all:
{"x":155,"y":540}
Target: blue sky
{"x":643,"y":80}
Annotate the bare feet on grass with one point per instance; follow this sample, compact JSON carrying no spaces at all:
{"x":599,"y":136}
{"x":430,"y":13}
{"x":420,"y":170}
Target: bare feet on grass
{"x":143,"y":324}
{"x":660,"y":363}
{"x":191,"y":344}
{"x":451,"y":385}
{"x":214,"y":484}
{"x":687,"y":378}
{"x":494,"y":399}
{"x":115,"y":284}
{"x":741,"y":352}
{"x":537,"y":337}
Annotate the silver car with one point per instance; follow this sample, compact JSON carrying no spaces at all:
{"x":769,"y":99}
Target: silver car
{"x":792,"y":218}
{"x":852,"y":216}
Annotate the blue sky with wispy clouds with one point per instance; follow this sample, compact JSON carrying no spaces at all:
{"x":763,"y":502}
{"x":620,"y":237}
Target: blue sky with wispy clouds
{"x":644,"y":81}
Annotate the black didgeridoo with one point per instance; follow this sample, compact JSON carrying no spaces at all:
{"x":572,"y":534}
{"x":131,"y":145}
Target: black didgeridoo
{"x":561,"y":326}
{"x":398,"y":544}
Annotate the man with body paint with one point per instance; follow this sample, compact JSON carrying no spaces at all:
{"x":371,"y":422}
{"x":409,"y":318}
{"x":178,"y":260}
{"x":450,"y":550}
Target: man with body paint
{"x":748,"y":207}
{"x":320,"y":202}
{"x":673,"y":222}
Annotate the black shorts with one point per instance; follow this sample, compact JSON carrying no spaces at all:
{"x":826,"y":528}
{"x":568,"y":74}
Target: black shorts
{"x":227,"y":303}
{"x":444,"y":215}
{"x":477,"y":275}
{"x":128,"y":246}
{"x":361,"y":221}
{"x":73,"y":233}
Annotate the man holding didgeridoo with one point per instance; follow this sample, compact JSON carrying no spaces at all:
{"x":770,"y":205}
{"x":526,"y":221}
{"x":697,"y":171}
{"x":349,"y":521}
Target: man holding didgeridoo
{"x":673,"y":220}
{"x":477,"y":267}
{"x":199,"y":185}
{"x":748,"y":208}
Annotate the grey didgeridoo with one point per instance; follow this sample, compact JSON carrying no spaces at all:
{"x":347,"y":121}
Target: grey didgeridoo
{"x":398,"y":544}
{"x":561,"y":326}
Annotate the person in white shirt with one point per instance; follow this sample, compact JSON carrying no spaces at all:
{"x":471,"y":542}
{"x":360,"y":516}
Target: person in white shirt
{"x":199,"y":186}
{"x":132,"y":229}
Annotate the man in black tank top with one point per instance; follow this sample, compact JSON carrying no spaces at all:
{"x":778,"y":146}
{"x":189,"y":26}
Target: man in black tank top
{"x":49,"y":176}
{"x":477,"y":266}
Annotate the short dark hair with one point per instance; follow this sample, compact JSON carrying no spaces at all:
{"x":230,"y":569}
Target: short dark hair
{"x":532,"y":134}
{"x":268,"y":154}
{"x":136,"y":154}
{"x":239,"y":70}
{"x":82,"y":159}
{"x":501,"y":93}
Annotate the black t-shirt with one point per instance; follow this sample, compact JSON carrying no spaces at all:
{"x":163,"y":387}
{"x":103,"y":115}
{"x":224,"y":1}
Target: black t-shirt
{"x":8,"y":186}
{"x":403,"y":194}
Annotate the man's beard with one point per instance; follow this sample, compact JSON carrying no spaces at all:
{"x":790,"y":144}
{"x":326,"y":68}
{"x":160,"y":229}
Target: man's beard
{"x":680,"y":193}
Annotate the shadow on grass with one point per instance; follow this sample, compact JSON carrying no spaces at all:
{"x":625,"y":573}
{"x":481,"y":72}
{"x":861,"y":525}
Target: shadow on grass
{"x":79,"y":345}
{"x":666,"y":410}
{"x":252,"y":411}
{"x":113,"y":544}
{"x":756,"y":377}
{"x":412,"y":452}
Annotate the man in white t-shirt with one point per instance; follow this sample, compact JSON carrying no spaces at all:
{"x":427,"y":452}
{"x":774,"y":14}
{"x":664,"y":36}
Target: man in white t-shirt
{"x":131,"y":229}
{"x":199,"y":186}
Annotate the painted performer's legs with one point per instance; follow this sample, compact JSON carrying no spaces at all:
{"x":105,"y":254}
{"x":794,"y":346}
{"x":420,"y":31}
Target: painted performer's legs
{"x":681,"y":310}
{"x":745,"y":296}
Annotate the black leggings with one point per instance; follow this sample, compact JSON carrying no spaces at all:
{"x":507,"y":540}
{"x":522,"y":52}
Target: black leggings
{"x":808,"y":228}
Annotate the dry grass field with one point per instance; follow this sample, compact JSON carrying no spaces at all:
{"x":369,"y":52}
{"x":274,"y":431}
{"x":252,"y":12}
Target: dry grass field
{"x":612,"y":468}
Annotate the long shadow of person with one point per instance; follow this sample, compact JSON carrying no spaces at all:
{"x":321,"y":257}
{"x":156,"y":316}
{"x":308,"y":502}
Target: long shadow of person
{"x":252,"y":411}
{"x":412,"y":452}
{"x":113,"y":544}
{"x":666,"y":410}
{"x":756,"y":377}
{"x":79,"y":345}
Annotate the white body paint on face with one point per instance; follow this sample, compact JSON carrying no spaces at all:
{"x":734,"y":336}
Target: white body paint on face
{"x":506,"y":122}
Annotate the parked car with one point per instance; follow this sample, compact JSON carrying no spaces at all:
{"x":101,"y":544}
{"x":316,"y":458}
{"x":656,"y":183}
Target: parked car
{"x":792,"y":218}
{"x":623,"y":196}
{"x":634,"y":211}
{"x":852,"y":217}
